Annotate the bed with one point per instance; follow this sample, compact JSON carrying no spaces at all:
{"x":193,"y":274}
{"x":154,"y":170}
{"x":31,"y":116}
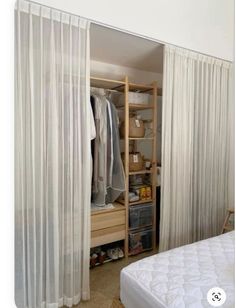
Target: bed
{"x":181,"y":277}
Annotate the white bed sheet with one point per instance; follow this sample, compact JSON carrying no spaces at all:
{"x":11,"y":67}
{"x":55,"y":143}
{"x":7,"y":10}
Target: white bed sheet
{"x":181,"y":277}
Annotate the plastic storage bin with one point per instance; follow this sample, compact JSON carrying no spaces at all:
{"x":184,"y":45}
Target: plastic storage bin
{"x":140,"y":241}
{"x":136,"y":98}
{"x":140,"y":216}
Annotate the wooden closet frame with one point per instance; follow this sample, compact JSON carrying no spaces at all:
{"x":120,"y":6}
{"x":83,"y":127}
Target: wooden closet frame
{"x":100,"y":232}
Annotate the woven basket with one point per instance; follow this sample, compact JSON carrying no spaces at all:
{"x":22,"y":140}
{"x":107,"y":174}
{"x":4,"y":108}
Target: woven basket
{"x":136,"y":162}
{"x":136,"y":128}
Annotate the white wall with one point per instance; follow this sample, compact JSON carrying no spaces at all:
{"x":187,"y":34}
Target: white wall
{"x":117,"y":72}
{"x":206,"y":26}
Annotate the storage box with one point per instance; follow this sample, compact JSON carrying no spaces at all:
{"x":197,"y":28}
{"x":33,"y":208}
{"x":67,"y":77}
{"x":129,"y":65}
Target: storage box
{"x":140,"y":215}
{"x":140,"y":241}
{"x":136,"y":98}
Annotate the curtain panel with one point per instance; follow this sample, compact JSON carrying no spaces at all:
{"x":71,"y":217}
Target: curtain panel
{"x":197,"y":147}
{"x":52,"y":157}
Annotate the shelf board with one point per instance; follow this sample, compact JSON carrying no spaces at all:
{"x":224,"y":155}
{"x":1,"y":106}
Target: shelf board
{"x":105,"y":83}
{"x":140,"y":87}
{"x":135,"y":254}
{"x":137,"y":106}
{"x":140,"y":202}
{"x":141,"y":227}
{"x":117,"y":207}
{"x":141,"y":138}
{"x":140,"y":106}
{"x":140,"y":172}
{"x":136,"y":202}
{"x":121,"y":82}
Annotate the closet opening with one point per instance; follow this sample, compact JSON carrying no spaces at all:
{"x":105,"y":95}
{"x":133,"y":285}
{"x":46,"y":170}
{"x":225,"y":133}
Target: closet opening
{"x":126,"y":99}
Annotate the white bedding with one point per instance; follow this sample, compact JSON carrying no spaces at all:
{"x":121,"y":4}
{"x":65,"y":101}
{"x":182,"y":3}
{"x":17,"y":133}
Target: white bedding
{"x":181,"y":277}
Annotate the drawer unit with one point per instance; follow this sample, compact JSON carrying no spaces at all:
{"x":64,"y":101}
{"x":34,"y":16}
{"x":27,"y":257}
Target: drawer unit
{"x":108,"y":226}
{"x":107,"y":219}
{"x":140,"y":216}
{"x":107,"y":235}
{"x":140,"y":241}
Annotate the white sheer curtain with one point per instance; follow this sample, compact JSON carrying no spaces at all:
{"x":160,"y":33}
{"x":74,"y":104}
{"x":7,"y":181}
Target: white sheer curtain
{"x":52,"y":158}
{"x":197,"y":147}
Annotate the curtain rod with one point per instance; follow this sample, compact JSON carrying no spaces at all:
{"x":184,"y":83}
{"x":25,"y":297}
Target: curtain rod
{"x":125,"y":31}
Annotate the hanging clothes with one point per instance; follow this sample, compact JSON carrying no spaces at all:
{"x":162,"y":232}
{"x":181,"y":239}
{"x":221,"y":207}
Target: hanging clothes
{"x":116,"y":175}
{"x":100,"y":151}
{"x":108,"y":173}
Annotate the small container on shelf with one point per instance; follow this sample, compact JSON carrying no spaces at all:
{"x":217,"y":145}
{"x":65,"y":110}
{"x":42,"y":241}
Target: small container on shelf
{"x":140,"y":241}
{"x":133,"y":98}
{"x":143,"y":191}
{"x":148,"y":163}
{"x":140,"y":216}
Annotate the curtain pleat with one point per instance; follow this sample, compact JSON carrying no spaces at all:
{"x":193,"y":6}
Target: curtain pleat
{"x":52,"y":158}
{"x":197,"y":147}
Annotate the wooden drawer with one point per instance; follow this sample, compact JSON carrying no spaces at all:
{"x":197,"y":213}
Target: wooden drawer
{"x":107,"y":220}
{"x":107,"y":235}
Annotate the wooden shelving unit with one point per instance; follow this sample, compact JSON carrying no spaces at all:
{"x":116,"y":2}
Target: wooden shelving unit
{"x":128,"y":107}
{"x":110,"y":225}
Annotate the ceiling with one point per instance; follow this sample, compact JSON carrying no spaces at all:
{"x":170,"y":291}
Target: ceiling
{"x":120,"y":48}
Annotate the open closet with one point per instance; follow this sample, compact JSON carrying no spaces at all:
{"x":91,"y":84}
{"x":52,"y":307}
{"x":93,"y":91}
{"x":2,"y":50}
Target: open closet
{"x":88,"y":163}
{"x":125,"y":73}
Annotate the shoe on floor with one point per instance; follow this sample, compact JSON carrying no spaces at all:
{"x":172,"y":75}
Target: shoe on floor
{"x":120,"y":252}
{"x":101,"y":257}
{"x":93,"y":259}
{"x":113,"y":254}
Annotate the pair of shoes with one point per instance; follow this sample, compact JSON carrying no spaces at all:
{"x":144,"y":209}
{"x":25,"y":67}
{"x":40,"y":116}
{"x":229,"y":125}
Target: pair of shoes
{"x":115,"y":253}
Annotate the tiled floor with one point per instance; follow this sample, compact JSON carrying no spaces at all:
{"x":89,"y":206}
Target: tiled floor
{"x":105,"y":282}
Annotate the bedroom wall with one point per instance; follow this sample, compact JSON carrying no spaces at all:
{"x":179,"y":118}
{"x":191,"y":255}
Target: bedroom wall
{"x":206,"y":26}
{"x":112,"y":71}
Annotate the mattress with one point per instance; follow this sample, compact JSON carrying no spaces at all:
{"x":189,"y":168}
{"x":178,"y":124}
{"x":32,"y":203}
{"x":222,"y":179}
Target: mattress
{"x":181,"y":277}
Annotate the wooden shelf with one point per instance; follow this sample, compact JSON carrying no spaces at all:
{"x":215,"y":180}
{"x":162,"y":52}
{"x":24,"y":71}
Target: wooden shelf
{"x":140,"y":228}
{"x":108,"y":80}
{"x":137,"y":106}
{"x":140,"y":107}
{"x":136,"y":202}
{"x":135,"y":254}
{"x":140,"y":172}
{"x":141,"y":138}
{"x":106,"y":83}
{"x":140,"y":202}
{"x":117,"y":207}
{"x":138,"y":138}
{"x":140,"y":87}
